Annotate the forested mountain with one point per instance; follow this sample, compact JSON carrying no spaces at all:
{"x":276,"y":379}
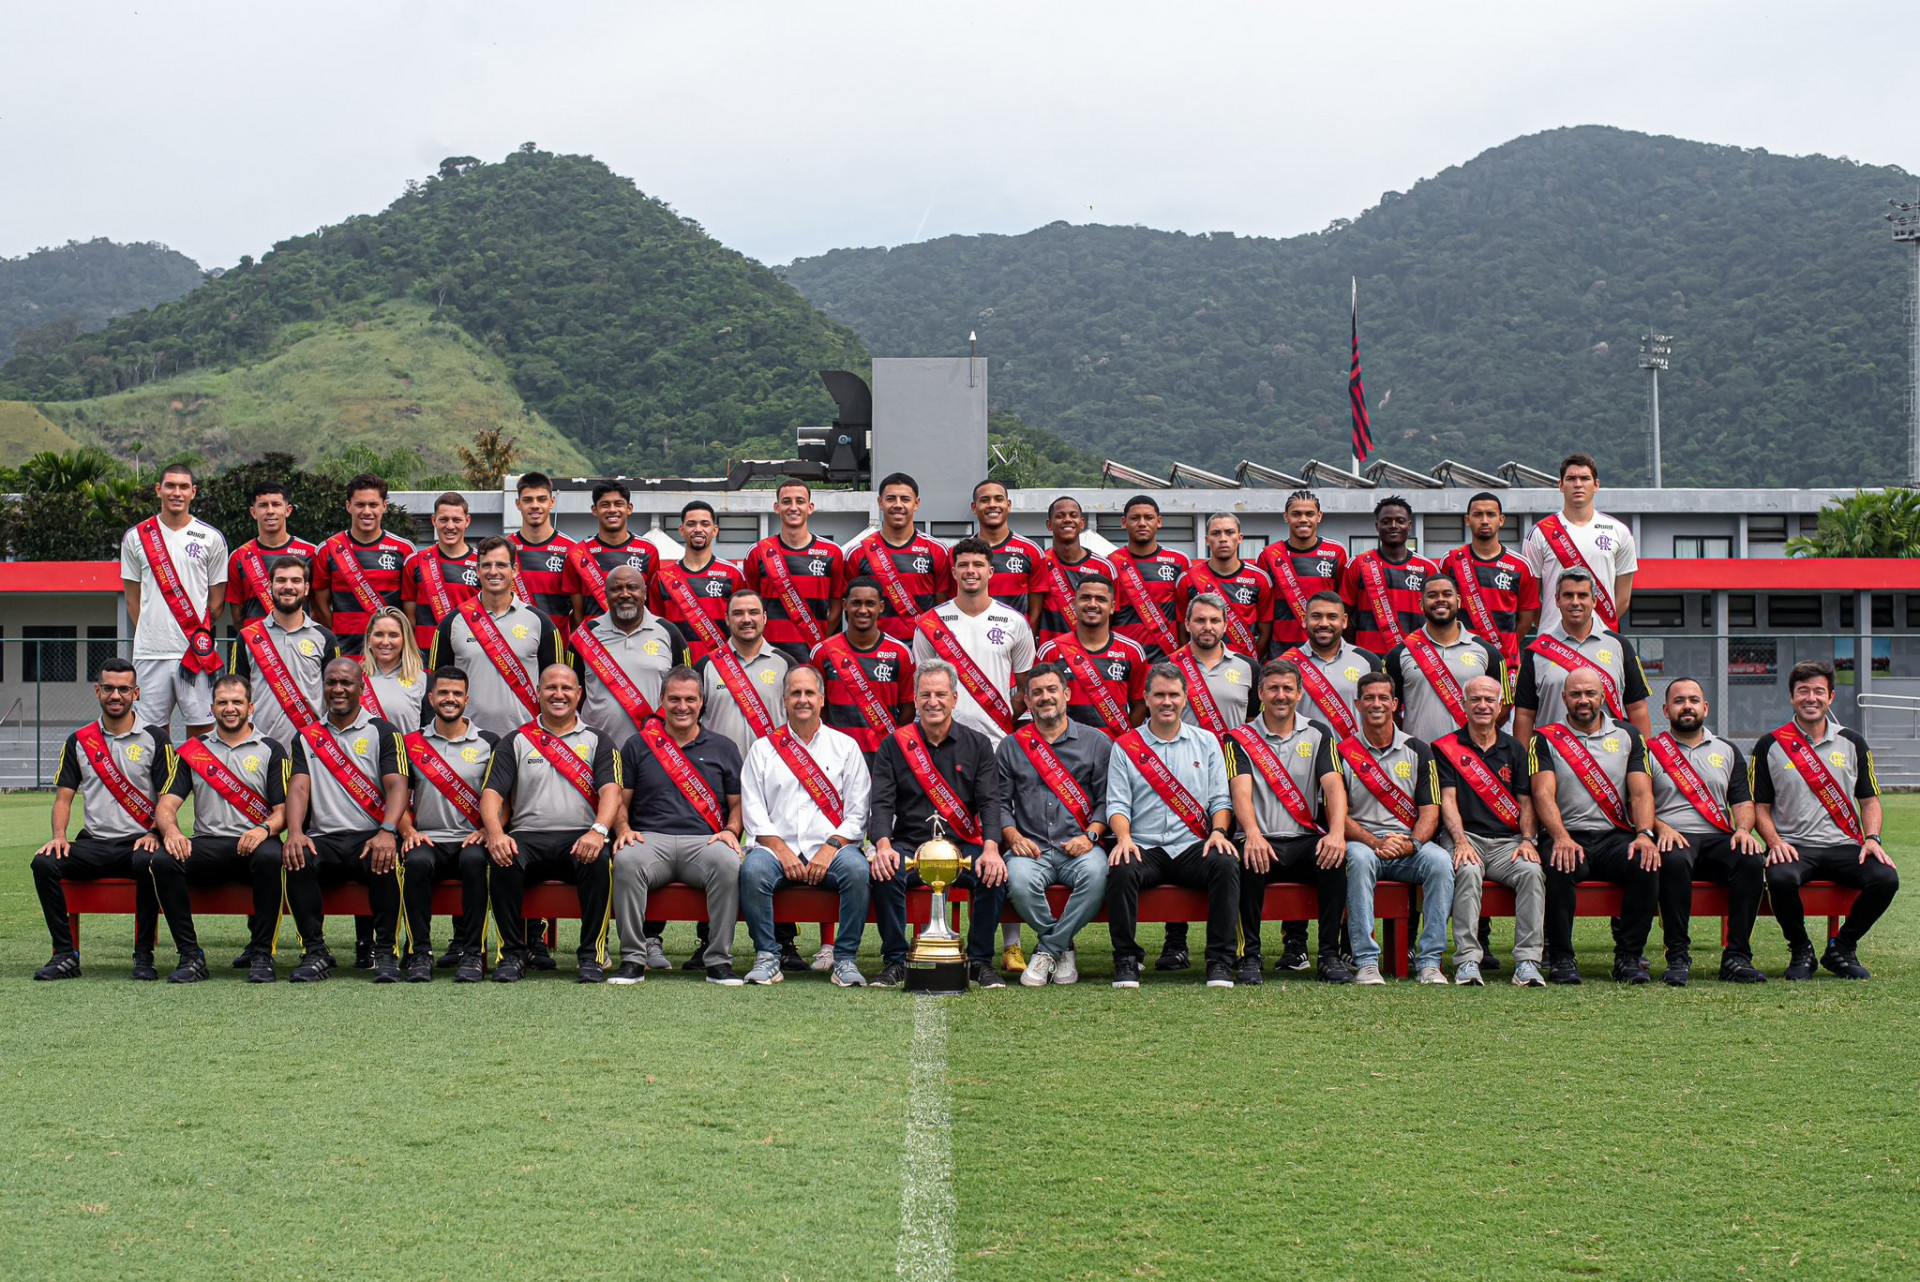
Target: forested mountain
{"x":81,"y":285}
{"x":1501,"y":304}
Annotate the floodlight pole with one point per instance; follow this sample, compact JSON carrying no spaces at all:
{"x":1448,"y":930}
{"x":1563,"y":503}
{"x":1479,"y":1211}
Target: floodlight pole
{"x":1655,"y":351}
{"x":1905,"y":217}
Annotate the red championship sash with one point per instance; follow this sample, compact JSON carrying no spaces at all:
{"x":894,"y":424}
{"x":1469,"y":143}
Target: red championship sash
{"x":368,"y":699}
{"x":847,"y":667}
{"x":1367,"y":769}
{"x":1567,"y":552}
{"x":1080,"y":663}
{"x":810,"y":775}
{"x":1237,"y":629}
{"x":1686,"y":778}
{"x":1559,"y":652}
{"x":201,"y":657}
{"x":1464,"y":571}
{"x":587,"y":566}
{"x":1199,"y":694}
{"x":913,"y":746}
{"x":347,"y":562}
{"x":1289,"y":580}
{"x":1385,"y":617}
{"x":267,"y":661}
{"x":254,"y":566}
{"x":233,"y":790}
{"x":564,"y":759}
{"x":798,"y":611}
{"x":1485,"y":784}
{"x":1127,"y":570}
{"x":948,"y":647}
{"x":439,"y":600}
{"x":1274,"y":771}
{"x":446,"y":780}
{"x":1433,"y":666}
{"x":607,"y":669}
{"x":733,"y":675}
{"x":692,"y":784}
{"x":1324,"y":696}
{"x":1168,"y":788}
{"x":1059,"y":586}
{"x":673,"y":582}
{"x":493,"y":644}
{"x":1054,"y":773}
{"x":1588,"y":771}
{"x":364,"y":791}
{"x":1819,"y":779}
{"x":888,"y":575}
{"x":93,"y":742}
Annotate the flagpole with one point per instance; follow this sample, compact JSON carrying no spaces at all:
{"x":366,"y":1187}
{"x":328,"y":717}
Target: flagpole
{"x":1356,"y":322}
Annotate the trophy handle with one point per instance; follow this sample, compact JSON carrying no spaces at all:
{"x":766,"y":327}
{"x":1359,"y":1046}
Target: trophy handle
{"x":966,"y":863}
{"x":910,"y":864}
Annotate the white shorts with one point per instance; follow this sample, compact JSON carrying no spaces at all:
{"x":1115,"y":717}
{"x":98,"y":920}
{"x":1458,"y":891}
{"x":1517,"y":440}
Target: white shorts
{"x":164,"y":686}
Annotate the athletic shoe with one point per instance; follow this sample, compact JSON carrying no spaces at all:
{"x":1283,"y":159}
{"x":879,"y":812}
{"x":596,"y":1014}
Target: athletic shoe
{"x":892,"y":975}
{"x":313,"y":968}
{"x":1468,"y":973}
{"x":1219,"y":975}
{"x":1735,"y":969}
{"x":245,"y":960}
{"x":1631,"y":969}
{"x":1489,"y":962}
{"x":1012,"y":959}
{"x":260,"y":970}
{"x":766,"y":969}
{"x":1801,"y":967}
{"x":1066,"y":970}
{"x":1126,"y":974}
{"x":723,"y":975}
{"x":1293,"y":959}
{"x":1563,"y":972}
{"x":451,"y":959}
{"x":1334,"y":970}
{"x":1527,"y":974}
{"x":60,"y":966}
{"x":363,"y":954}
{"x":386,"y":968}
{"x":846,"y":974}
{"x":1173,"y":959}
{"x":511,"y":969}
{"x":790,"y":958}
{"x":191,"y":970}
{"x":657,"y":954}
{"x":143,"y":967}
{"x":628,"y":973}
{"x":1369,"y":974}
{"x":1247,"y":971}
{"x":983,"y":975}
{"x":1844,"y":963}
{"x":1432,"y":975}
{"x":1679,"y":969}
{"x":823,"y":960}
{"x":1038,"y":971}
{"x":592,"y":972}
{"x":420,"y":967}
{"x":699,"y":959}
{"x":539,"y":957}
{"x":472,"y":970}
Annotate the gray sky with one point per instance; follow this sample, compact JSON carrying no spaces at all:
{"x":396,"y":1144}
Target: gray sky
{"x":789,"y":129}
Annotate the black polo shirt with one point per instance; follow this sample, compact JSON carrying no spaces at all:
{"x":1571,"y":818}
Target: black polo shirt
{"x":899,"y":807}
{"x":658,"y":804}
{"x":1508,"y":761}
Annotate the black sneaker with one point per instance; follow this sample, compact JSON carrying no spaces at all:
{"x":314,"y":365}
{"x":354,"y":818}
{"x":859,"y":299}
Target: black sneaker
{"x":698,"y":961}
{"x":1679,"y":969}
{"x":386,"y":968}
{"x":1488,"y":961}
{"x":1219,"y":975}
{"x":1291,"y":959}
{"x":1802,"y":964}
{"x":892,"y":975}
{"x":363,"y":955}
{"x":1735,"y":969}
{"x":143,"y":967}
{"x":539,"y":957}
{"x":982,"y":974}
{"x":1333,"y":969}
{"x":1629,"y":968}
{"x":451,"y":959}
{"x":592,"y":972}
{"x":313,"y":968}
{"x":191,"y":970}
{"x":1126,"y":973}
{"x":1563,"y":972}
{"x":245,"y":960}
{"x":1248,"y":970}
{"x":260,"y":969}
{"x":420,"y":967}
{"x":60,"y":966}
{"x":1173,"y":959}
{"x":790,"y":958}
{"x":1844,"y":963}
{"x":472,"y":969}
{"x":627,"y":974}
{"x":723,"y":975}
{"x":511,"y":970}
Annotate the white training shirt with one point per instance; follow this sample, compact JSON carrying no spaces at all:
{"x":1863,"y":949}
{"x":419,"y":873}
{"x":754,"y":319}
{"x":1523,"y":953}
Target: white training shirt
{"x":774,"y":803}
{"x":199,"y":555}
{"x":999,"y":642}
{"x":1605,"y":542}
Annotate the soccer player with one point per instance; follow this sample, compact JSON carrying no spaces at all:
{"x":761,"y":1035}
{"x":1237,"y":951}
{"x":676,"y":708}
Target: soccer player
{"x":1052,"y":805}
{"x":692,"y":593}
{"x":501,"y":643}
{"x":1817,"y":806}
{"x":680,"y":821}
{"x":914,"y":572}
{"x":1109,"y":672}
{"x":1014,"y":559}
{"x":173,"y":570}
{"x":803,"y":797}
{"x":1499,"y":593}
{"x":1301,"y":567}
{"x":558,"y":784}
{"x":1245,"y":588}
{"x":1168,"y":806}
{"x":391,"y":664}
{"x":1703,"y":824}
{"x":237,"y":779}
{"x":1577,"y":642}
{"x":1381,"y":588}
{"x":540,"y":571}
{"x":1145,"y":577}
{"x":868,"y":674}
{"x":1592,"y":795}
{"x":613,"y":545}
{"x":799,"y":575}
{"x":437,"y":580}
{"x":930,"y":767}
{"x":987,"y":641}
{"x":440,"y":835}
{"x":282,"y":656}
{"x":1290,"y":801}
{"x":1579,"y":537}
{"x":1331,"y":667}
{"x":358,"y":570}
{"x":118,"y":766}
{"x":1056,"y":580}
{"x":1432,"y":664}
{"x":345,"y":795}
{"x":625,"y":653}
{"x":249,"y":569}
{"x":1486,"y":806}
{"x":1393,"y":812}
{"x":1222,"y":690}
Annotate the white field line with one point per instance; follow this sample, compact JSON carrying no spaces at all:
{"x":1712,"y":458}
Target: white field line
{"x":926,"y":1188}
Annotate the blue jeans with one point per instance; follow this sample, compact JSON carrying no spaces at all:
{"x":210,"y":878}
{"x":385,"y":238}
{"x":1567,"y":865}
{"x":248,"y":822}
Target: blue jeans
{"x":760,"y":876}
{"x":983,"y":910}
{"x":1431,"y":868}
{"x":1084,"y":876}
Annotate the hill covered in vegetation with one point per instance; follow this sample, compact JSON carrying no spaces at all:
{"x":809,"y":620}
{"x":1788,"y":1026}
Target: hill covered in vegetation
{"x":50,"y":296}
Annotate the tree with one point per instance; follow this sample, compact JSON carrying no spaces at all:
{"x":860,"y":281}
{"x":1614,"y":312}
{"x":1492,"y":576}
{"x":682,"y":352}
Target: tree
{"x":493,"y":455}
{"x":319,"y":502}
{"x":1872,"y":523}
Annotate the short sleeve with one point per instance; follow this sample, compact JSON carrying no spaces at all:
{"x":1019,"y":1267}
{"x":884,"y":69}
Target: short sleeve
{"x":1539,"y":755}
{"x":1866,"y":783}
{"x":181,"y":785}
{"x":297,"y":763}
{"x":276,"y":774}
{"x":391,"y":754}
{"x":69,"y":774}
{"x":1739,"y":787}
{"x":503,"y":767}
{"x":1323,"y":762}
{"x":133,"y":559}
{"x":1529,"y":589}
{"x":1444,"y":772}
{"x":1426,"y":790}
{"x":222,"y":568}
{"x":606,"y":763}
{"x":1637,"y":753}
{"x":1637,"y":690}
{"x":1759,"y":777}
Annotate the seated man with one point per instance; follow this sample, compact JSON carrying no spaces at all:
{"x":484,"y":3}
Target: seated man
{"x":558,"y":783}
{"x":1393,"y":811}
{"x":440,"y":836}
{"x":237,"y":779}
{"x":118,"y":768}
{"x":680,"y":821}
{"x":1592,"y":795}
{"x":1052,"y":804}
{"x":803,"y":797}
{"x":934,"y":766}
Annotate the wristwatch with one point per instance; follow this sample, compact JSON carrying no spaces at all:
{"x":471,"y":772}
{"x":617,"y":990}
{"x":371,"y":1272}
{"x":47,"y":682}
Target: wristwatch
{"x":1648,"y":833}
{"x":389,"y":829}
{"x":601,"y":829}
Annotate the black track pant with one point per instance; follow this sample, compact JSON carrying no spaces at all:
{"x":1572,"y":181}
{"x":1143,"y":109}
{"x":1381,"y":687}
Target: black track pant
{"x":93,"y":859}
{"x":425,"y":865}
{"x":337,"y":859}
{"x":1711,"y":858}
{"x":1293,"y":861}
{"x":1875,"y":881}
{"x":1607,"y":859}
{"x":547,"y":856}
{"x":1217,"y":874}
{"x":216,"y":861}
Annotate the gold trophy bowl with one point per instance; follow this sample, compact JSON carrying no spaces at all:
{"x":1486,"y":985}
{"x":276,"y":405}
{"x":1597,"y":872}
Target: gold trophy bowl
{"x":937,"y":962}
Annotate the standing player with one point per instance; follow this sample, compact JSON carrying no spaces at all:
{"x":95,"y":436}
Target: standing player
{"x":249,"y":586}
{"x":1056,"y":580}
{"x":1015,"y":559}
{"x":1580,"y":537}
{"x":173,"y":569}
{"x":869,"y":675}
{"x":500,"y":643}
{"x":1245,"y":588}
{"x":624,"y":655}
{"x":438,"y":579}
{"x":1301,"y":567}
{"x":913,"y":570}
{"x":692,"y":593}
{"x":1381,"y":588}
{"x":1331,"y":667}
{"x":357,"y":571}
{"x":799,"y":575}
{"x":1109,"y":672}
{"x":1146,"y":576}
{"x":987,"y":641}
{"x":540,"y":550}
{"x":613,"y":545}
{"x":1499,"y":594}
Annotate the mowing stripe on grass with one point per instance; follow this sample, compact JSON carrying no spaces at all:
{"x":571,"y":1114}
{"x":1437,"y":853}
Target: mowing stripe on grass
{"x":926,"y":1186}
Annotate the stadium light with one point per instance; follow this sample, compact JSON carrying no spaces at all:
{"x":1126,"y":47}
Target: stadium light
{"x":1656,"y":351}
{"x":1904,"y":216}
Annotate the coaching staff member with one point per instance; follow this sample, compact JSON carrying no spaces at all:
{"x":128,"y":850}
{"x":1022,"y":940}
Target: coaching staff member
{"x":447,"y":761}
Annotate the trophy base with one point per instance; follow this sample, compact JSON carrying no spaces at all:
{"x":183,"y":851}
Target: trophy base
{"x":936,"y":977}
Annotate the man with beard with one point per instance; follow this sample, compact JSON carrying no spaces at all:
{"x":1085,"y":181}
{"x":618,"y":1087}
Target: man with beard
{"x":1432,"y":664}
{"x":625,"y":653}
{"x":501,"y":642}
{"x":1301,"y":566}
{"x":440,"y":835}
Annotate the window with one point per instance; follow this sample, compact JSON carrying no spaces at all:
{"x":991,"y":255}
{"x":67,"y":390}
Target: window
{"x":1444,"y":532}
{"x":1810,"y":525}
{"x":951,"y":530}
{"x":1695,"y":547}
{"x":1801,"y":610}
{"x":1740,"y":611}
{"x":1358,"y":543}
{"x":1657,"y":610}
{"x":1766,"y":529}
{"x":49,"y":660}
{"x":1251,"y":546}
{"x":102,"y":644}
{"x":1175,"y":531}
{"x":739,"y":530}
{"x":1883,"y":611}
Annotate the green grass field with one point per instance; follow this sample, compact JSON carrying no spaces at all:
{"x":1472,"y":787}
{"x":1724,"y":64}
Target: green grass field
{"x":678,"y":1130}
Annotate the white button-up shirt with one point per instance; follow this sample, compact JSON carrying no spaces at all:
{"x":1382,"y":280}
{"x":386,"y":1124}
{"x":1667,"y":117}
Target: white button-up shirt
{"x":774,"y":804}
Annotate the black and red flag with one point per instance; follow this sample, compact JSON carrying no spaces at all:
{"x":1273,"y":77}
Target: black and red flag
{"x":1357,"y":393}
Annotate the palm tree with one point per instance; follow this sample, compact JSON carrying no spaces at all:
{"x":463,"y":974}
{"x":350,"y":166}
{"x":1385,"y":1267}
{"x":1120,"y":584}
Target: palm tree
{"x":1872,"y":523}
{"x":69,"y":471}
{"x":491,"y":458}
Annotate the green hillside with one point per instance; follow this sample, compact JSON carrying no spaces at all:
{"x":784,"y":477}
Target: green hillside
{"x":1501,"y":307}
{"x":25,"y":431}
{"x":81,"y":285}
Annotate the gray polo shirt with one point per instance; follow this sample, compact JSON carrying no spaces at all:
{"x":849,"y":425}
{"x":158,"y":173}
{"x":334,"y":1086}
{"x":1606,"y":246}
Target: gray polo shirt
{"x":437,"y":818}
{"x":145,"y":757}
{"x":1409,"y":763}
{"x":260,"y":762}
{"x":1030,"y":806}
{"x":1797,"y":813}
{"x":1619,"y":752}
{"x":491,"y":702}
{"x":645,"y":654}
{"x":1541,"y":681}
{"x":400,"y":700}
{"x":1194,"y":758}
{"x":1423,"y":713}
{"x":768,"y":672}
{"x":1343,"y":673}
{"x":373,"y":746}
{"x":1234,"y":684}
{"x":1307,"y":753}
{"x":540,"y":797}
{"x":1720,"y":765}
{"x":305,"y":650}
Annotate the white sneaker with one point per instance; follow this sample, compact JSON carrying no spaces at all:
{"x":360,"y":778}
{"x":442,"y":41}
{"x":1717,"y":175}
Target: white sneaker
{"x":1066,"y":970}
{"x":1468,"y":973}
{"x":766,"y":969}
{"x":1039,"y":970}
{"x":822,"y":960}
{"x":1433,"y":975}
{"x":1369,"y":974}
{"x":847,"y":975}
{"x":1526,"y":974}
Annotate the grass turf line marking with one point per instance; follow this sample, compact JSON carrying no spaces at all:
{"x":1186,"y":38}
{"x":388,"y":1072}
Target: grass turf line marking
{"x":927,"y":1207}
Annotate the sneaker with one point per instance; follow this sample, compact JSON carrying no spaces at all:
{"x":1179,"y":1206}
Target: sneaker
{"x":1012,"y":959}
{"x":245,"y":960}
{"x":1468,"y":973}
{"x":657,"y":954}
{"x":1489,"y":962}
{"x":1844,"y":963}
{"x":1219,"y":975}
{"x":1564,"y":972}
{"x":767,"y":968}
{"x":892,"y":975}
{"x":592,"y":972}
{"x":823,"y":960}
{"x":1294,"y":959}
{"x":1802,"y":964}
{"x":420,"y":967}
{"x":386,"y":968}
{"x":260,"y":969}
{"x":1432,"y":975}
{"x":1173,"y":959}
{"x":1679,"y":969}
{"x":511,"y":969}
{"x":723,"y":975}
{"x":1126,"y":974}
{"x":143,"y":967}
{"x":60,"y":966}
{"x":699,"y":959}
{"x":1333,"y":970}
{"x":191,"y":970}
{"x":983,"y":975}
{"x":790,"y":958}
{"x":313,"y":968}
{"x":1369,"y":974}
{"x":363,"y":954}
{"x":472,"y":969}
{"x":1631,"y":969}
{"x":1038,"y":971}
{"x":1735,"y":969}
{"x":1247,"y":971}
{"x":1066,"y":970}
{"x":1527,"y":974}
{"x":539,"y":957}
{"x":627,"y":973}
{"x":451,"y":959}
{"x":846,"y":974}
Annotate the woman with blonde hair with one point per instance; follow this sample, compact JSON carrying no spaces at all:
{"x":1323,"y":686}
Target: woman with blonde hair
{"x":391,"y":660}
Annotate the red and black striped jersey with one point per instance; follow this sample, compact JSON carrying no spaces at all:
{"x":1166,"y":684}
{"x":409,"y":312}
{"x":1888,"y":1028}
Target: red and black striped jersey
{"x":1014,"y":562}
{"x":252,"y":593}
{"x":1160,"y":573}
{"x":576,"y":581}
{"x":541,"y":577}
{"x":818,"y":573}
{"x":1508,"y":586}
{"x":1403,"y":585}
{"x":922,"y":567}
{"x":1122,"y":668}
{"x":712,"y":584}
{"x":1053,"y":577}
{"x":889,"y":670}
{"x":1318,"y":569}
{"x":462,"y":579}
{"x":380,"y":564}
{"x":1249,"y":593}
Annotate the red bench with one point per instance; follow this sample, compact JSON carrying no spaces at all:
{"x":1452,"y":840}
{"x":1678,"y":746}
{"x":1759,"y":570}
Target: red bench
{"x":1602,"y":899}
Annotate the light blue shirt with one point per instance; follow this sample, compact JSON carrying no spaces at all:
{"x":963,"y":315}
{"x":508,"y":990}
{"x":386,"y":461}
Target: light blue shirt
{"x":1194,"y":757}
